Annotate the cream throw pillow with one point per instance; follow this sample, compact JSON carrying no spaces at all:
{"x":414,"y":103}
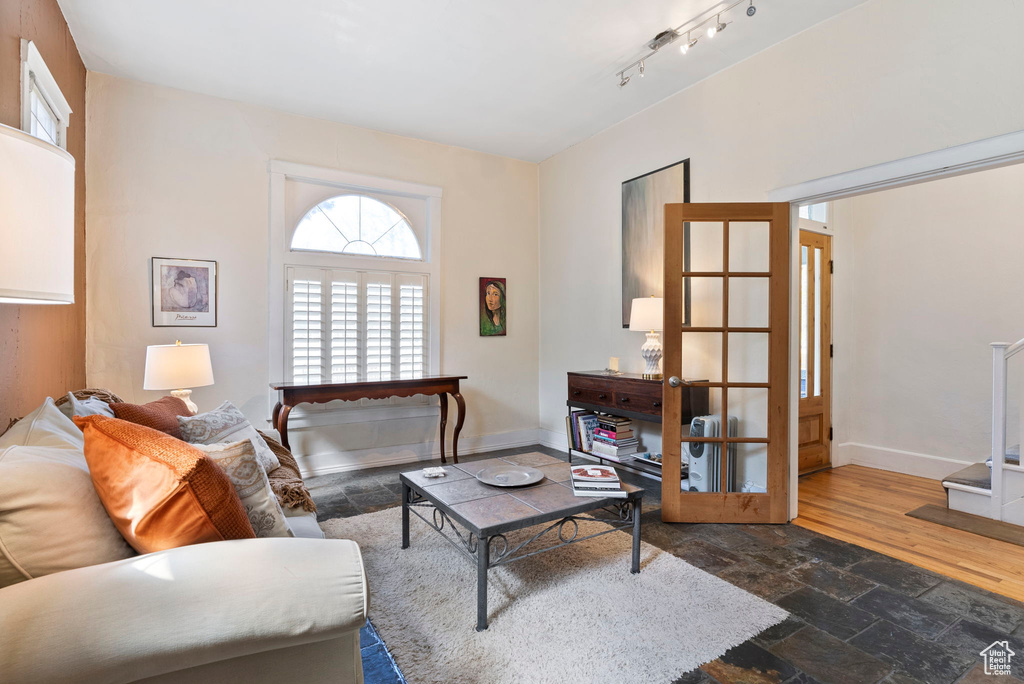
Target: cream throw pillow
{"x":226,"y":424}
{"x":246,"y":473}
{"x":51,"y":518}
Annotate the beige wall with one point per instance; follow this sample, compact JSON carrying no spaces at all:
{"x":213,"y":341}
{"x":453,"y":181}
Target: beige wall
{"x":883,"y":81}
{"x":927,"y":277}
{"x":183,"y":175}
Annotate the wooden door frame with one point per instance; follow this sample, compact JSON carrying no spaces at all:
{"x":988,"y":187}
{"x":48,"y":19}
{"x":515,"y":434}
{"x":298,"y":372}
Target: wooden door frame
{"x":732,"y":507}
{"x":988,"y":153}
{"x":825,"y":325}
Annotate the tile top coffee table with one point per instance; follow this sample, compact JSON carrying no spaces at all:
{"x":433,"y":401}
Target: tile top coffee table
{"x":476,"y":517}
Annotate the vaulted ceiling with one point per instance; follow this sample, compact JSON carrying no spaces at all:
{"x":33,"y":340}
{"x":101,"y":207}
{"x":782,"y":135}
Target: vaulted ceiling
{"x":523,"y":78}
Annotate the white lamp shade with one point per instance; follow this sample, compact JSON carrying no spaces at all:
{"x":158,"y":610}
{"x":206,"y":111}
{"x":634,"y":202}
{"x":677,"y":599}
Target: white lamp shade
{"x":177,"y":366}
{"x":646,"y":314}
{"x":37,"y":221}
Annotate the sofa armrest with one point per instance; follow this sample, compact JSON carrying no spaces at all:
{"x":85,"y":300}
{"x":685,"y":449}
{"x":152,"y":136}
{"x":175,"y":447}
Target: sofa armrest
{"x":167,"y":611}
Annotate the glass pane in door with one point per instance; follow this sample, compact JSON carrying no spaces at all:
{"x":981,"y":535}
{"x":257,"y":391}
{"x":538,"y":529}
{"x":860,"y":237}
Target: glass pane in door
{"x":803,"y":321}
{"x":817,"y":319}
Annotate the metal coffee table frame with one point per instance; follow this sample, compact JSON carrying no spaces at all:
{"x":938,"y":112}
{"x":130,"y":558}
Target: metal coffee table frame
{"x":488,"y":547}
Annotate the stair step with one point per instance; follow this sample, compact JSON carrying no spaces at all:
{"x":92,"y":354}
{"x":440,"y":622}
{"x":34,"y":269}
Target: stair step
{"x":977,"y":475}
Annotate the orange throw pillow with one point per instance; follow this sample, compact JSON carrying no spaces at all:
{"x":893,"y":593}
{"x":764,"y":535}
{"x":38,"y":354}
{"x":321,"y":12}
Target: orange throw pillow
{"x":161,"y":414}
{"x":160,"y":492}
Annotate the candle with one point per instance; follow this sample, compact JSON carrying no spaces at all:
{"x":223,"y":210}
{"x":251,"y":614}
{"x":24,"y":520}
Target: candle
{"x":613,"y":363}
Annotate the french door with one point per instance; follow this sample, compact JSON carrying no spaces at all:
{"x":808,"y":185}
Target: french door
{"x":815,"y":422}
{"x":737,"y":346}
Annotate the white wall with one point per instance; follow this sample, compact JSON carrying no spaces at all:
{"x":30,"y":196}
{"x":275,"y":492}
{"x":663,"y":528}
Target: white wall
{"x":886,"y":80}
{"x":930,"y":275}
{"x":176,"y":174}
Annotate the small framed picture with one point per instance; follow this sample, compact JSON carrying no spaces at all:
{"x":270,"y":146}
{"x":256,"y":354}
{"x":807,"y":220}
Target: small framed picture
{"x":493,"y":307}
{"x":184,"y":293}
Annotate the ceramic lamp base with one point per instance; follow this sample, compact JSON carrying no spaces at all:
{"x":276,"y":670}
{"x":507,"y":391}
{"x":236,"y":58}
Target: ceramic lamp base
{"x":651,"y":353}
{"x":186,"y":395}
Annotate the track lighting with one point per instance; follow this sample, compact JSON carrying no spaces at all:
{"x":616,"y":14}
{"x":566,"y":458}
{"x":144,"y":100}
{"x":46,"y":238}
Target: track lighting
{"x":714,"y":25}
{"x":685,"y":47}
{"x":718,"y":27}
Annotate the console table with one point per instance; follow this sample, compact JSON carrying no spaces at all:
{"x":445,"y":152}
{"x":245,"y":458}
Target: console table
{"x":632,"y":396}
{"x":291,"y":394}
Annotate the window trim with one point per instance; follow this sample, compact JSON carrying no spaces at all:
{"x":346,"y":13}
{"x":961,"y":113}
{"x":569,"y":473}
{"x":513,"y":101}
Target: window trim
{"x":34,"y":70}
{"x":281,"y":257}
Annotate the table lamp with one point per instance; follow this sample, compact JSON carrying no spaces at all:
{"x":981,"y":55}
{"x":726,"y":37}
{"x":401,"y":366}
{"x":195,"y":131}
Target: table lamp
{"x":646,"y":315}
{"x":176,"y":366}
{"x":37,"y":221}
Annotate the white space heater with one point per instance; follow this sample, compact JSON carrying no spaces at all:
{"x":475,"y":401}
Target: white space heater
{"x":705,"y":457}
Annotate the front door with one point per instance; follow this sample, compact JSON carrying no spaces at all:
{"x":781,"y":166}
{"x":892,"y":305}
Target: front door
{"x":815,"y":425}
{"x":736,"y":458}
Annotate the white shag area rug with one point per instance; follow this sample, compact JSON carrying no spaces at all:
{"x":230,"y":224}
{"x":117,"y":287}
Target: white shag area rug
{"x":575,"y":614}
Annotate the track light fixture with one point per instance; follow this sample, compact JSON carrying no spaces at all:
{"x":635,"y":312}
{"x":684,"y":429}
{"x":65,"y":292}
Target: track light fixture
{"x":712,"y":18}
{"x":717,"y":27}
{"x":685,"y":47}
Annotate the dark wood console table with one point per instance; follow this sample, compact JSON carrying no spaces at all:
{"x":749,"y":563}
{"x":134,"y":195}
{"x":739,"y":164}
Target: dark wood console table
{"x":292,"y":394}
{"x":632,"y":396}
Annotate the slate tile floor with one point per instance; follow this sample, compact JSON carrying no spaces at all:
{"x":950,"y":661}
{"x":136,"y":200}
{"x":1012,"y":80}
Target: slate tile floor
{"x":856,"y":616}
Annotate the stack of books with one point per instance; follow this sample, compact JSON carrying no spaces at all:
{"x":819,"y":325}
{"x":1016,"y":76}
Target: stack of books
{"x":596,"y":480}
{"x":614,"y":438}
{"x":579,"y":427}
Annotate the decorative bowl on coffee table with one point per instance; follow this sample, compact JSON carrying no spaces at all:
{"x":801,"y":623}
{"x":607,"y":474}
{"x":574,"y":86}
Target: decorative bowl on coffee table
{"x":510,"y":476}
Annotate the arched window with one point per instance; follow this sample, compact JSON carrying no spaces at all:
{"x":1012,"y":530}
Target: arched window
{"x":357,"y":225}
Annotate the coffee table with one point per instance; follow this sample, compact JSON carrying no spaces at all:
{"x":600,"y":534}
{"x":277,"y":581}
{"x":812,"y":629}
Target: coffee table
{"x":476,"y":517}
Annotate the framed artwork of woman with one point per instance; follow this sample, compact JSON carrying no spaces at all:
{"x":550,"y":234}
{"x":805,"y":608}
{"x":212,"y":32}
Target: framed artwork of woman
{"x":493,"y":307}
{"x":184,"y":292}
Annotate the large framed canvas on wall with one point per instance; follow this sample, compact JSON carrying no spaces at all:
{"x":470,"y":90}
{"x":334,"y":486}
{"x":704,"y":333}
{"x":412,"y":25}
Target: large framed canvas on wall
{"x":643,"y":233}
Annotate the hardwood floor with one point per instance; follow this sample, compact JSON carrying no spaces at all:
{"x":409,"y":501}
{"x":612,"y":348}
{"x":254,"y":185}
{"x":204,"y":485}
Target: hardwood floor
{"x":867,"y":507}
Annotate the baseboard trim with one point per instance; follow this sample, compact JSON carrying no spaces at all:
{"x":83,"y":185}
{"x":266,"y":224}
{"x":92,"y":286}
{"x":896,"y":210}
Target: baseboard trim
{"x":553,"y":439}
{"x":361,"y":459}
{"x":897,"y":460}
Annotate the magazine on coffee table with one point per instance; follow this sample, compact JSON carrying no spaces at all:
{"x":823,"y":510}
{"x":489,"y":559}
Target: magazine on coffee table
{"x":596,"y":480}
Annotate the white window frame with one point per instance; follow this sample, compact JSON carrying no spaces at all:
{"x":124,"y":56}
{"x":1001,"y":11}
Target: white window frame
{"x":281,"y":257}
{"x":35,"y":71}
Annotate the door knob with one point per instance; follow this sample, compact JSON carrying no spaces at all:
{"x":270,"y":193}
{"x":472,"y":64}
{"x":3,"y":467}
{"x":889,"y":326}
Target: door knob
{"x":674,"y":382}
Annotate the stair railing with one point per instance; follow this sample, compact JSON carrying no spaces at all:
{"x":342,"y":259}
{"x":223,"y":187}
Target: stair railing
{"x":1001,"y":353}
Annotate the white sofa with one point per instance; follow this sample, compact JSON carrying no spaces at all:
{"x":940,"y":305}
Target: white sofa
{"x":258,"y":610}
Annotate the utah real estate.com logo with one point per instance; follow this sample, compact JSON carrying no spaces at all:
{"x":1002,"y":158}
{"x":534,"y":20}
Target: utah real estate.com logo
{"x":997,"y":658}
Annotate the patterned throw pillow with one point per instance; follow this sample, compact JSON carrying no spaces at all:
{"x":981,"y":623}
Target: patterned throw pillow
{"x":243,"y":468}
{"x":161,"y":414}
{"x":226,"y":424}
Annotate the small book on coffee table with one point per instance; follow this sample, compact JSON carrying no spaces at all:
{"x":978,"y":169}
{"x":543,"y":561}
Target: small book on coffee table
{"x":596,"y":480}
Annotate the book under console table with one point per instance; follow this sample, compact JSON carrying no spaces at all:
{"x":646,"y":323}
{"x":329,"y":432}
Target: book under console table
{"x":628,"y":395}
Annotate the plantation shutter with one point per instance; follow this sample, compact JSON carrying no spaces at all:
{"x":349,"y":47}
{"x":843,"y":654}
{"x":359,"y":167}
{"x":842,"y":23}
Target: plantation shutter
{"x":379,"y":326}
{"x":345,"y":319}
{"x":306,"y":325}
{"x":346,"y":326}
{"x":411,"y":325}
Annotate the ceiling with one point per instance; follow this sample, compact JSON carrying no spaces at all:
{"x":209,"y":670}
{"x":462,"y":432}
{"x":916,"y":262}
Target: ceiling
{"x":524,"y":78}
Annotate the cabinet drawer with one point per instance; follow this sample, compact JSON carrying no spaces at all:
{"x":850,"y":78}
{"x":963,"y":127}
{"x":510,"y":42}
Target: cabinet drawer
{"x":602,"y":397}
{"x":641,"y":400}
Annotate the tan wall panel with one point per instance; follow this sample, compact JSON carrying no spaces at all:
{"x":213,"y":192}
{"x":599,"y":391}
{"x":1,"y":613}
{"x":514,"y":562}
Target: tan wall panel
{"x":42,"y":348}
